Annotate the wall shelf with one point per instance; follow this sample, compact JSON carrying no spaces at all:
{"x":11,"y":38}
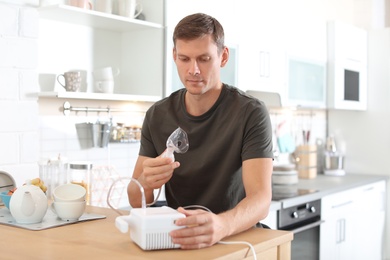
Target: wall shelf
{"x":99,"y":96}
{"x":95,"y":19}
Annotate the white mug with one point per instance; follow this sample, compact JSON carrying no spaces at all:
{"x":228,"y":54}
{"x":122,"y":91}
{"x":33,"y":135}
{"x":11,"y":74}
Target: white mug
{"x":129,"y":8}
{"x":107,"y":73}
{"x":104,"y":6}
{"x":104,"y":86}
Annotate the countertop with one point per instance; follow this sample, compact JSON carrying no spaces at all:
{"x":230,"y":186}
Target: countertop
{"x":323,"y":185}
{"x":99,"y":239}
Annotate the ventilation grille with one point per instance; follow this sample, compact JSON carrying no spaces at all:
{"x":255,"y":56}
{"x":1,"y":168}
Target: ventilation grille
{"x":158,"y":241}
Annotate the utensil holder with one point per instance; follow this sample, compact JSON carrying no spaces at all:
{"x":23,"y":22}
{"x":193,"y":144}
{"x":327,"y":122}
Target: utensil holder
{"x":306,"y":161}
{"x":101,"y":134}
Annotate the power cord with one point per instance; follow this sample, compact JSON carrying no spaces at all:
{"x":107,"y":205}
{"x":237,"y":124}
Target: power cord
{"x":241,"y":242}
{"x":227,"y":242}
{"x":125,"y":178}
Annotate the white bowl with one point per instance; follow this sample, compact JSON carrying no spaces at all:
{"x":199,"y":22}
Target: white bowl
{"x":69,"y":211}
{"x":69,"y":192}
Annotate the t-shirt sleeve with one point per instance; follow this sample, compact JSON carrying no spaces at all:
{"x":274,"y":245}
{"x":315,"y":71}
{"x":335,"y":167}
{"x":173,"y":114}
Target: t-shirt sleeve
{"x":258,"y":132}
{"x":147,"y":147}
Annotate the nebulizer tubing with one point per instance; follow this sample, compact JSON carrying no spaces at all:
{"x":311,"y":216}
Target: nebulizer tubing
{"x":143,"y":200}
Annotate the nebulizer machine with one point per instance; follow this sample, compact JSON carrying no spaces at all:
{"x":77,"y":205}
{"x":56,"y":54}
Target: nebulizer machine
{"x":150,"y":227}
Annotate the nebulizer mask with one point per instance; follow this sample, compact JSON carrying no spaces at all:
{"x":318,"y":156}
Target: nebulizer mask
{"x":177,"y":142}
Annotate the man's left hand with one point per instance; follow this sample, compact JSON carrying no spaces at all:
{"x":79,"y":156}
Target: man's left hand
{"x":203,"y":229}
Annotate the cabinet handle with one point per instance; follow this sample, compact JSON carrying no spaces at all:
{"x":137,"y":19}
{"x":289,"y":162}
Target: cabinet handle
{"x":342,"y":204}
{"x":368,"y":189}
{"x":308,"y":226}
{"x":340,"y":231}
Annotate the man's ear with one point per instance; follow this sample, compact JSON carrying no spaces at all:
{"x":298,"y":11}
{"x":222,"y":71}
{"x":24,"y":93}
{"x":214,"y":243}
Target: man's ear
{"x":225,"y":56}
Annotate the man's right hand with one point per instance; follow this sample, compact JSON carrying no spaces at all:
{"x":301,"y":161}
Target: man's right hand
{"x":156,"y":172}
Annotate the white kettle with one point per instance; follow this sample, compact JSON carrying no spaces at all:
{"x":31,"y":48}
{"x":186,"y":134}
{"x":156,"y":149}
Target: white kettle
{"x":28,"y":204}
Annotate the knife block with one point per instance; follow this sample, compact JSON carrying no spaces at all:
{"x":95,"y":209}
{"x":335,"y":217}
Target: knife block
{"x":306,"y":161}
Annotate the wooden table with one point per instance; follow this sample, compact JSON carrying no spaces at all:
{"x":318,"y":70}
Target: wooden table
{"x":100,"y":239}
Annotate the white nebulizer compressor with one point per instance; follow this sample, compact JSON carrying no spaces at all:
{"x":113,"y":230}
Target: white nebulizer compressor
{"x":150,"y":227}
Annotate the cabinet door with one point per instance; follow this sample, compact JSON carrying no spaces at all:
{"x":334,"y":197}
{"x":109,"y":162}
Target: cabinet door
{"x":347,"y":67}
{"x":306,"y":83}
{"x":354,"y":223}
{"x":336,"y":233}
{"x":371,"y":220}
{"x":329,"y":237}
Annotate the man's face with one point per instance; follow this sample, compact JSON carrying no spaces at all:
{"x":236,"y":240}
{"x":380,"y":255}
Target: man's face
{"x":198,"y":64}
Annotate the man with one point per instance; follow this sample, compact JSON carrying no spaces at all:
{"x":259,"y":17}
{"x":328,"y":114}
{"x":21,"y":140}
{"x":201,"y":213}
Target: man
{"x":228,"y":165}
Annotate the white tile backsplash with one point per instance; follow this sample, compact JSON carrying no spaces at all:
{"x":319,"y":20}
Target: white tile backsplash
{"x":9,"y":20}
{"x":29,"y":23}
{"x":29,"y":87}
{"x":19,"y":116}
{"x":9,"y":148}
{"x":29,"y":141}
{"x":9,"y":83}
{"x":18,"y":109}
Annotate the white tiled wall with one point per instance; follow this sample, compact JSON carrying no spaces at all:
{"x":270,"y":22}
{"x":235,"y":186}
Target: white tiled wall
{"x":18,"y":108}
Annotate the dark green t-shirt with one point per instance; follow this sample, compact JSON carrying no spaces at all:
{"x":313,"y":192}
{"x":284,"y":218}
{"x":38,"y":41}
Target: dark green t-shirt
{"x":235,"y":129}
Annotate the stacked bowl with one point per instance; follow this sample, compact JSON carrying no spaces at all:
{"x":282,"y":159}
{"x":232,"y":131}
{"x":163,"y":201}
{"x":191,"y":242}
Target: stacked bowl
{"x":69,"y":201}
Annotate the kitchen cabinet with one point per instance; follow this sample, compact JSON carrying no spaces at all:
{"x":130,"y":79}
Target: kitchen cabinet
{"x":306,"y":83}
{"x":354,"y":223}
{"x":371,"y":220}
{"x":347,"y":66}
{"x":271,"y":219}
{"x":73,"y":38}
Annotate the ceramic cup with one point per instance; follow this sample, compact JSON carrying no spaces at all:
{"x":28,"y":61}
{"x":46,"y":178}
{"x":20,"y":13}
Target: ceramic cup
{"x":105,"y":86}
{"x":69,"y":193}
{"x":72,"y":80}
{"x":69,"y":211}
{"x":104,"y":6}
{"x":129,"y":8}
{"x":81,"y":3}
{"x":106,"y":73}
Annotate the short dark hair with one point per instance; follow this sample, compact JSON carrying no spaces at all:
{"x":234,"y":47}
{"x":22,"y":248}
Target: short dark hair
{"x":198,"y":25}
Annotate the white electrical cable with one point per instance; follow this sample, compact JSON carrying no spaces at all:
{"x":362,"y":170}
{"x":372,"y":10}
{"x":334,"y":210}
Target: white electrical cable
{"x":127,"y":178}
{"x":155,"y":200}
{"x":227,"y":242}
{"x":241,"y":242}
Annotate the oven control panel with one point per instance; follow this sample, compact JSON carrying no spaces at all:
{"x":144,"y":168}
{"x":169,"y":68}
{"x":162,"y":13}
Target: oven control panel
{"x":299,"y":214}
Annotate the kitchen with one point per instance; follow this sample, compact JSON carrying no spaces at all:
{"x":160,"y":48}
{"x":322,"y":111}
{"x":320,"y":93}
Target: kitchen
{"x":33,"y":131}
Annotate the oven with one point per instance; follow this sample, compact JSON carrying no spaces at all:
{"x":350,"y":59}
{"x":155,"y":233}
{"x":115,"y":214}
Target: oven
{"x":304,"y":221}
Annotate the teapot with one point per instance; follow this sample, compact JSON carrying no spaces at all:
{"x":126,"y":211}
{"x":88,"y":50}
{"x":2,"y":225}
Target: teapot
{"x":28,"y":204}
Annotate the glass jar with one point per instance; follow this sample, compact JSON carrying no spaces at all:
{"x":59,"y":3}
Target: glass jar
{"x":80,"y":173}
{"x":53,"y":172}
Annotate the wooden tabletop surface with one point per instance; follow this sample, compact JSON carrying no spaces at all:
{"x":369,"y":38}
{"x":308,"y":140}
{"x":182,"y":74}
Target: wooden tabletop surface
{"x":100,"y":239}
